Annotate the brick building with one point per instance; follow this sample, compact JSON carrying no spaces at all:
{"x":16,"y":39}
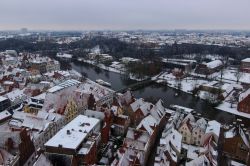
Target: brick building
{"x":209,"y":68}
{"x":245,"y":65}
{"x":236,"y":144}
{"x":244,"y":102}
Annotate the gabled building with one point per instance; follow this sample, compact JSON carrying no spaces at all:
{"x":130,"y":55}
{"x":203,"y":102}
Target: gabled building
{"x":169,"y":150}
{"x":236,"y":144}
{"x":245,"y":65}
{"x":138,"y":143}
{"x":16,"y":145}
{"x":244,"y":102}
{"x":138,"y":110}
{"x":209,"y":68}
{"x":186,"y":128}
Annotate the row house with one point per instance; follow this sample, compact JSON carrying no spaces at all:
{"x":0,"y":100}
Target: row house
{"x":41,"y":126}
{"x":139,"y":142}
{"x":136,"y":146}
{"x":16,"y":145}
{"x":199,"y":147}
{"x":120,"y":125}
{"x":169,"y":149}
{"x":124,"y":100}
{"x":138,"y":110}
{"x":236,"y":144}
{"x":191,"y":130}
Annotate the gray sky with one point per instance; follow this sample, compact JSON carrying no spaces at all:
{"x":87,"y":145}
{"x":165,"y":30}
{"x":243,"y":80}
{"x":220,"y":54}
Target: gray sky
{"x":124,"y":14}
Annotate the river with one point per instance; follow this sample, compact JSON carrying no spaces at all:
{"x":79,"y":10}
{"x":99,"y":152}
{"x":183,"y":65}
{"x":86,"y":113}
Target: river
{"x":155,"y":92}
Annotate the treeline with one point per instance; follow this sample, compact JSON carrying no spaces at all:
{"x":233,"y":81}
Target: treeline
{"x":120,"y":49}
{"x":145,"y":68}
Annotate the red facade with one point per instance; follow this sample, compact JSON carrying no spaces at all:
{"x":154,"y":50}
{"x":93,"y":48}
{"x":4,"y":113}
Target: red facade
{"x":244,"y":105}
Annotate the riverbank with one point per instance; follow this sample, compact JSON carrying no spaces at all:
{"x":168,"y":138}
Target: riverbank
{"x":153,"y":92}
{"x":114,"y":67}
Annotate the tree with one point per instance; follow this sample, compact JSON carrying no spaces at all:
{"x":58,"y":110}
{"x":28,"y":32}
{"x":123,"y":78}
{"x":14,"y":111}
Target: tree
{"x":232,"y":100}
{"x":91,"y":102}
{"x":238,"y":74}
{"x":222,"y":71}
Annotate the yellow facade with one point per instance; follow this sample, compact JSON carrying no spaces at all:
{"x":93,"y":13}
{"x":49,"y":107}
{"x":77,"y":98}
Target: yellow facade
{"x":70,"y":110}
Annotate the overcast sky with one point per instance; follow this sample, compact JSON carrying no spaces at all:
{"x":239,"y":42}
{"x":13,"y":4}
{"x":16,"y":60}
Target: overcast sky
{"x":124,"y":14}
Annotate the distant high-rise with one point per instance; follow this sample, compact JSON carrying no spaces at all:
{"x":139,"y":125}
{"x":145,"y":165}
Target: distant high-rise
{"x":24,"y":30}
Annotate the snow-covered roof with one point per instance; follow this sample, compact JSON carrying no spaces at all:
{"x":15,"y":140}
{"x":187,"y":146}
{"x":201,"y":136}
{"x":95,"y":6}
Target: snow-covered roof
{"x":214,"y":127}
{"x":17,"y":93}
{"x":244,"y":137}
{"x":74,"y":133}
{"x":230,"y":133}
{"x":178,"y":107}
{"x":42,"y":161}
{"x":145,"y":108}
{"x":214,"y":64}
{"x":189,"y":117}
{"x":244,"y":95}
{"x":136,"y":104}
{"x":64,"y":55}
{"x":158,"y":111}
{"x":3,"y":98}
{"x":201,"y":160}
{"x":245,"y":60}
{"x":50,"y":116}
{"x":149,"y":123}
{"x":8,"y":82}
{"x":174,"y":138}
{"x":235,"y":163}
{"x":138,"y":135}
{"x":63,"y":85}
{"x":30,"y":121}
{"x":4,"y":114}
{"x":40,"y":97}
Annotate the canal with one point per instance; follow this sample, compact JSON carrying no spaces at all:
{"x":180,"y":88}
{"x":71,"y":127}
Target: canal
{"x":155,"y":91}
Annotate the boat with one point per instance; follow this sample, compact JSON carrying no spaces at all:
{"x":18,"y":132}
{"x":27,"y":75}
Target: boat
{"x":181,"y":108}
{"x":101,"y":82}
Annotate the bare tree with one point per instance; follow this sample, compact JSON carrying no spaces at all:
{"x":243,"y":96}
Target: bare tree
{"x":232,"y":100}
{"x":238,"y":74}
{"x":222,"y":71}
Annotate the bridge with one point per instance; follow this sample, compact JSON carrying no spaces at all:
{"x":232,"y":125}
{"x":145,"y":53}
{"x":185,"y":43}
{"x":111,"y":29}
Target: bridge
{"x":109,"y":97}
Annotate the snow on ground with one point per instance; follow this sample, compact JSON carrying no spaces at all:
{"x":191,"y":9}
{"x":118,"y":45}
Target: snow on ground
{"x":229,"y":74}
{"x":112,"y":69}
{"x":225,"y":106}
{"x":132,"y":77}
{"x":187,"y":84}
{"x":102,"y":66}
